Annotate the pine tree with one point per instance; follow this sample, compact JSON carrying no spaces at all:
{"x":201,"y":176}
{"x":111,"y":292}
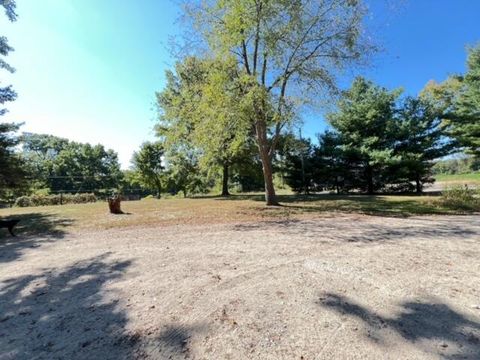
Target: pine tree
{"x":332,"y":171}
{"x":7,"y":93}
{"x":466,"y":114}
{"x":365,"y":123}
{"x":11,"y":174}
{"x":420,"y":140}
{"x":458,"y":99}
{"x":300,"y":166}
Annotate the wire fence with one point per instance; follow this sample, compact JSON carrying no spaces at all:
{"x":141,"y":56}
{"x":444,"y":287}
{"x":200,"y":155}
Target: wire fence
{"x":106,"y":186}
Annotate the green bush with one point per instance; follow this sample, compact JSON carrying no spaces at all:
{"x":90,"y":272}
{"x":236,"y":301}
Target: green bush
{"x":83,"y":198}
{"x":461,"y":198}
{"x":44,"y":191}
{"x":45,"y":200}
{"x":23,"y":201}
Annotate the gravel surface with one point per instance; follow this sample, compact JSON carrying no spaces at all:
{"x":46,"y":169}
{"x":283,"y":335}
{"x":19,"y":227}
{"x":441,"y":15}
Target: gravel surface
{"x":339,"y":287}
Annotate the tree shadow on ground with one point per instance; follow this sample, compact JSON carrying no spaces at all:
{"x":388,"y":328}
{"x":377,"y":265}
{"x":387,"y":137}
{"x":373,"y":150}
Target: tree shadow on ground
{"x":174,"y":341}
{"x":72,"y":314}
{"x":377,"y":205}
{"x":33,"y":230}
{"x":382,"y":233}
{"x":63,"y":314}
{"x":366,"y":232}
{"x":428,"y":325}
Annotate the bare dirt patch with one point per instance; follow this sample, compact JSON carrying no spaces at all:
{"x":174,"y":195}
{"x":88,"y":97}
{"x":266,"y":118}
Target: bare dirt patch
{"x":330,"y":287}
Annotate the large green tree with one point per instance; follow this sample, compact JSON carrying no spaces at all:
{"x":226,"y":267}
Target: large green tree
{"x":301,"y":166}
{"x":365,"y":122}
{"x":465,"y":117}
{"x":12,"y":173}
{"x":148,"y":166}
{"x":6,"y":92}
{"x":458,"y":97}
{"x":285,"y":51}
{"x":419,"y":140}
{"x":40,"y":152}
{"x":184,"y":172}
{"x":199,"y":106}
{"x":333,"y":170}
{"x":61,"y":165}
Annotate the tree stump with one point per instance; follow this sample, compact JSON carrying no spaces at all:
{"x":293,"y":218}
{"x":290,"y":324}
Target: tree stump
{"x":114,"y":204}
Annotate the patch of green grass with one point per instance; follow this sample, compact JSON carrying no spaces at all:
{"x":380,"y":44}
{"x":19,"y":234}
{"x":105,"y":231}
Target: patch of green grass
{"x":213,"y":210}
{"x":472,"y":178}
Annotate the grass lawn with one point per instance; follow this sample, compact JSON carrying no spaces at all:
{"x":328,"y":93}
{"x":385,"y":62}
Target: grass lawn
{"x":471,"y":179}
{"x":209,"y":210}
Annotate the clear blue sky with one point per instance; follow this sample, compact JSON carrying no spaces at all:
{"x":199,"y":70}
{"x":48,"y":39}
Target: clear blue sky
{"x":88,"y":69}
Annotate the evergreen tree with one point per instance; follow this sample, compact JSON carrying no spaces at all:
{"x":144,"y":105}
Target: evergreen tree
{"x":12,"y":173}
{"x":365,"y":123}
{"x":420,"y":140}
{"x":7,"y":93}
{"x":458,"y":99}
{"x":300,"y":160}
{"x":332,"y":172}
{"x":465,"y":118}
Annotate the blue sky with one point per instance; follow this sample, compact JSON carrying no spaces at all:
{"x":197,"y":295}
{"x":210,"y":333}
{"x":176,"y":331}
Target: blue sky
{"x":88,"y":69}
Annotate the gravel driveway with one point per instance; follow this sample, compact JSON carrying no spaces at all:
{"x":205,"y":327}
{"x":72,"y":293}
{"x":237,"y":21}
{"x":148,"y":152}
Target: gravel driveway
{"x":332,"y":287}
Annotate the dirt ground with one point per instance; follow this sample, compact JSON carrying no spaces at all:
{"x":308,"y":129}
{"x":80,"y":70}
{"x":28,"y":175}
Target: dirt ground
{"x":327,"y":287}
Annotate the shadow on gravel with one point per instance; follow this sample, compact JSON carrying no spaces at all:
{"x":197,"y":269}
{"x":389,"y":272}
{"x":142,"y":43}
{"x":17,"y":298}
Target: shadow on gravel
{"x":427,"y":323}
{"x":364,"y":232}
{"x":70,"y":314}
{"x":33,"y":230}
{"x":437,"y":231}
{"x":404,"y":205}
{"x":174,"y":340}
{"x":278,"y":224}
{"x":63,"y":314}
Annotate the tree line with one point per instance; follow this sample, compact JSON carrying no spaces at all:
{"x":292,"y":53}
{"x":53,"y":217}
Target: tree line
{"x":227,"y":112}
{"x":239,"y":93}
{"x":42,"y":164}
{"x":378,"y":142}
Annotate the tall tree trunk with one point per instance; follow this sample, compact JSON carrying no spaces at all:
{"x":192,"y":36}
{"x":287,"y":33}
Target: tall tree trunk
{"x":270,"y":196}
{"x":369,"y":175}
{"x":159,"y":189}
{"x":418,"y":184}
{"x":266,"y":158}
{"x":225,"y":180}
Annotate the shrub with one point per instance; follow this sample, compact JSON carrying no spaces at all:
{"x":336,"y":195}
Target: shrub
{"x":44,"y":191}
{"x":84,"y":198}
{"x":45,"y":200}
{"x":23,"y":201}
{"x":461,"y":198}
